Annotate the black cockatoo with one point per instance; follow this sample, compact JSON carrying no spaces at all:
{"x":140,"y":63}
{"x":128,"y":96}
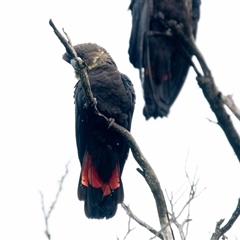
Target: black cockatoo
{"x":157,"y":52}
{"x":102,"y":151}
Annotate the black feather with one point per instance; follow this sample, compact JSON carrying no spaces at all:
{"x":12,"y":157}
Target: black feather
{"x":156,"y":51}
{"x":115,"y":99}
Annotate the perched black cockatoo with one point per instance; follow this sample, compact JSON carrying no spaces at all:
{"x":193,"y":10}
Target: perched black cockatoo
{"x":158,"y":53}
{"x":101,"y":150}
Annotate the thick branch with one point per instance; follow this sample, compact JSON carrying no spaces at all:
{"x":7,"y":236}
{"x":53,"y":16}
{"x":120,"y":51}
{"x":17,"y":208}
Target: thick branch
{"x":210,"y":91}
{"x":221,"y":231}
{"x":149,"y":174}
{"x":213,"y":96}
{"x":151,"y":180}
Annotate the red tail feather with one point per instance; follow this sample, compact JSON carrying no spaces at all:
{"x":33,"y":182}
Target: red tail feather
{"x":90,"y":176}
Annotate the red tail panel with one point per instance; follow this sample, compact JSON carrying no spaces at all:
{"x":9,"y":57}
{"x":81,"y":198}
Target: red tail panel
{"x":90,"y":176}
{"x":115,"y":178}
{"x":85,"y":169}
{"x":93,"y":176}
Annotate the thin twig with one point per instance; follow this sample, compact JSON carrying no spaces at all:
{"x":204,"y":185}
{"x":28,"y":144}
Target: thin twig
{"x":142,"y":223}
{"x":48,"y":214}
{"x":45,"y":217}
{"x":192,"y":195}
{"x":129,"y":228}
{"x":78,"y":65}
{"x":211,"y":121}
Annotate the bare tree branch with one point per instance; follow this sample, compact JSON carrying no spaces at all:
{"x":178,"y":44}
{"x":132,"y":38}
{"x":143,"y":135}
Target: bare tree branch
{"x":129,"y":229}
{"x":79,"y":65}
{"x":192,"y":195}
{"x":210,"y":90}
{"x":148,"y":173}
{"x":48,"y":214}
{"x":45,"y":217}
{"x":142,"y":223}
{"x":219,"y":232}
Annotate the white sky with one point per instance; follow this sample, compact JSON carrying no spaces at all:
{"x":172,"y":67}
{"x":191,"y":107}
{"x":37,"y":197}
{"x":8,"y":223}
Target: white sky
{"x":37,"y":122}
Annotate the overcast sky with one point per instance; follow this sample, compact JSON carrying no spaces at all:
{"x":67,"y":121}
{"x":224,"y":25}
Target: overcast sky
{"x":37,"y":122}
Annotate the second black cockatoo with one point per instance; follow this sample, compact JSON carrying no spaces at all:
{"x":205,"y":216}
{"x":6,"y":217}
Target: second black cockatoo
{"x":101,"y":150}
{"x":158,"y":53}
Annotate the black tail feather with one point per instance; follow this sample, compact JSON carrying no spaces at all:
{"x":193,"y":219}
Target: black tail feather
{"x":98,"y":206}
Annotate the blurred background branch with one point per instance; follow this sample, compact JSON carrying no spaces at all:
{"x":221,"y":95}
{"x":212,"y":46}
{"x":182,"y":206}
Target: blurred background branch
{"x":46,"y":213}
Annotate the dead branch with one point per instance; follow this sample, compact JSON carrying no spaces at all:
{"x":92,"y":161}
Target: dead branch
{"x":129,"y":229}
{"x":78,"y":65}
{"x":192,"y":195}
{"x":148,"y":173}
{"x":48,"y":214}
{"x":210,"y":90}
{"x":142,"y":223}
{"x":219,"y":232}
